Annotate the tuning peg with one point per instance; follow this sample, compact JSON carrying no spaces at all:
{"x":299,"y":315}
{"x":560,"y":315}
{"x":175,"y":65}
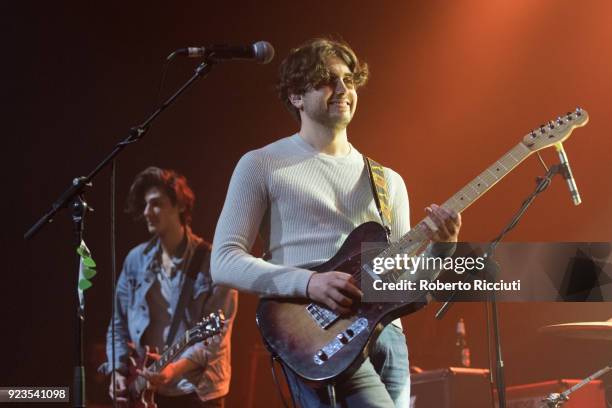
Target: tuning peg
{"x":578,"y":111}
{"x":542,"y":129}
{"x":569,"y":116}
{"x":533,"y":134}
{"x":551,"y":125}
{"x":560,"y":120}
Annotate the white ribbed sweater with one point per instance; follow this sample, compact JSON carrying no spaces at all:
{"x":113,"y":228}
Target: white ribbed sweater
{"x":303,"y":204}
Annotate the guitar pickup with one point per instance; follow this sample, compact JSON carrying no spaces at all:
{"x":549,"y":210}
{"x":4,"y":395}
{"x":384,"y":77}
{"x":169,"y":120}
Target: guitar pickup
{"x":370,"y":271}
{"x":324,"y":317}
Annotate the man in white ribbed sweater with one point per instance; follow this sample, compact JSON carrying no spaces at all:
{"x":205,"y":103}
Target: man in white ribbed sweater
{"x":303,"y":195}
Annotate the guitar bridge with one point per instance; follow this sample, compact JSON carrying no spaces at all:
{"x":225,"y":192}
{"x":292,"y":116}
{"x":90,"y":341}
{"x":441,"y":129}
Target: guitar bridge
{"x":340,"y":341}
{"x":324,"y":317}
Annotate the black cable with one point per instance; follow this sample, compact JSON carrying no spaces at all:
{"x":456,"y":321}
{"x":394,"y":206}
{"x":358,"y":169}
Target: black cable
{"x":273,"y":358}
{"x":160,"y":86}
{"x":542,"y":162}
{"x":331,"y":393}
{"x":490,"y":355}
{"x":137,"y":132}
{"x":113,"y":250}
{"x":543,"y":183}
{"x":113,"y":234}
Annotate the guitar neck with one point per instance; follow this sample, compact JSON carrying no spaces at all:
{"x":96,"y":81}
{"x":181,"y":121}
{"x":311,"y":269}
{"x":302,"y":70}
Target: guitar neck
{"x":487,"y":179}
{"x":466,"y":196}
{"x":171,"y":353}
{"x":140,"y":383}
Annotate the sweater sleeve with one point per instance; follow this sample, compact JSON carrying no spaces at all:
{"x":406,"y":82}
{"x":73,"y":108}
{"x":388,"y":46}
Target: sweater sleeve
{"x":232,"y":265}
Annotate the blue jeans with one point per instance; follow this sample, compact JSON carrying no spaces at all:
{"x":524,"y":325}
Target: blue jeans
{"x":382,"y":380}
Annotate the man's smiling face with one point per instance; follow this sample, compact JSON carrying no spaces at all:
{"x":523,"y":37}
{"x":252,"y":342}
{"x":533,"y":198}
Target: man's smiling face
{"x":333,"y":103}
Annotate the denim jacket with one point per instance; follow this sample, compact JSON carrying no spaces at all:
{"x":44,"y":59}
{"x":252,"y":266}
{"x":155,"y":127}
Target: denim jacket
{"x":132,"y":319}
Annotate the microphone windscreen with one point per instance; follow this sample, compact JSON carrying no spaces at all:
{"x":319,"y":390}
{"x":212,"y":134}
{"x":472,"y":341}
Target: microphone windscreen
{"x":264,"y":52}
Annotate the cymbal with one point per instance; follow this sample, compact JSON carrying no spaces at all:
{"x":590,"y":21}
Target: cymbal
{"x":581,"y":330}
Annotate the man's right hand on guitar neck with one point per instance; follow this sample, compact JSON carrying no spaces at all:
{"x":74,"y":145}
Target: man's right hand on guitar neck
{"x":121,"y":386}
{"x":336,"y":290}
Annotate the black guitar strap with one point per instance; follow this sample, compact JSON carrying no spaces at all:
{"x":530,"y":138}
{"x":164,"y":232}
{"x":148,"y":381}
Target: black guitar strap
{"x":378,"y":182}
{"x":190,"y":277}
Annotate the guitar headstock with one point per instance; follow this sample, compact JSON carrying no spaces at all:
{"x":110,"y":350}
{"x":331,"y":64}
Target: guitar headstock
{"x":555,"y":131}
{"x":208,"y":327}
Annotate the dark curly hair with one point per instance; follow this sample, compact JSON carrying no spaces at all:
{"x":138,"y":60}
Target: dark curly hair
{"x":170,"y":182}
{"x":304,"y":68}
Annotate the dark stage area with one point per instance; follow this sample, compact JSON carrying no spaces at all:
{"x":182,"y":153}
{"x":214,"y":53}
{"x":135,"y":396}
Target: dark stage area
{"x":453,"y":86}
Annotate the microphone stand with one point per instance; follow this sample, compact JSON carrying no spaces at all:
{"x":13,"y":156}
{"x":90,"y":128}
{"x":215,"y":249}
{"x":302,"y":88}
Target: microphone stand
{"x":73,"y":197}
{"x":498,"y":381}
{"x":555,"y":400}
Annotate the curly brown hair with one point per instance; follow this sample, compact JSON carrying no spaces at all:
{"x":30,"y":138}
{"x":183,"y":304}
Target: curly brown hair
{"x":170,"y":182}
{"x":304,"y":68}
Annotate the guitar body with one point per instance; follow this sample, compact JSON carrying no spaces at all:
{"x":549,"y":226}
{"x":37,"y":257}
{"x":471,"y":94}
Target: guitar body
{"x":140,"y":394}
{"x":291,"y":332}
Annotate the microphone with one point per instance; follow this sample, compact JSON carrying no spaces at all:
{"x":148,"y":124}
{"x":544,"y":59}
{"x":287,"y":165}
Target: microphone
{"x":567,"y":174}
{"x":261,"y":52}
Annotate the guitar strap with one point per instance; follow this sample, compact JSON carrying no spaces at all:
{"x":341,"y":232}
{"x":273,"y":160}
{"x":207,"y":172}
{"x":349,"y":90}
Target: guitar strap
{"x":378,"y":182}
{"x":190,"y":277}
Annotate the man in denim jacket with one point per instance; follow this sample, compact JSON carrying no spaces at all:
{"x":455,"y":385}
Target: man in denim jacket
{"x":148,"y":291}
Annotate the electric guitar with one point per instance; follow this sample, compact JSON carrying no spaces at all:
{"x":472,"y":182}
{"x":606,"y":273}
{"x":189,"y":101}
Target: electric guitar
{"x":140,"y":393}
{"x":318,"y":344}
